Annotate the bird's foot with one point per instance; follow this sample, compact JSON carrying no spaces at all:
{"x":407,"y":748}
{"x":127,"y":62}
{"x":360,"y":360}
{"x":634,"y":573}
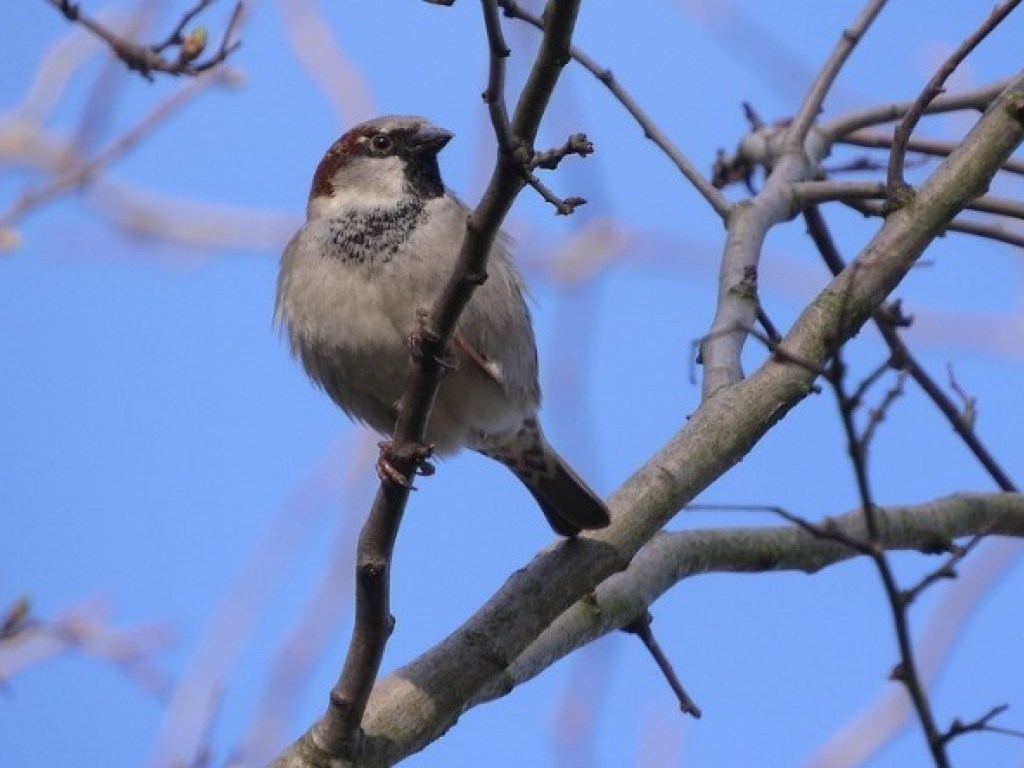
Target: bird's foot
{"x":416,"y":458}
{"x":422,"y":337}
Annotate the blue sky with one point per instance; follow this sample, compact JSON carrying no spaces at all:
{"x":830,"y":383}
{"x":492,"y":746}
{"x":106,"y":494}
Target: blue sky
{"x":162,"y":456}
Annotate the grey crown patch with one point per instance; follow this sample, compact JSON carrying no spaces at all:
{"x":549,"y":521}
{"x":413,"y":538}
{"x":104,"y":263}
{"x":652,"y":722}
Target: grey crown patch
{"x":373,"y":237}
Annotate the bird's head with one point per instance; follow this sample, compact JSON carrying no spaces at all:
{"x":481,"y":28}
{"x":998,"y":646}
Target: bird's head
{"x":379,"y":164}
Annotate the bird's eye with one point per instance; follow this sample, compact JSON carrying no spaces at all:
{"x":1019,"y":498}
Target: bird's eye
{"x":381,"y":142}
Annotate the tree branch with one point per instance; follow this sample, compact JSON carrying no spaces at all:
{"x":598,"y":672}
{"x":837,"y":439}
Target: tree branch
{"x":337,"y":734}
{"x":748,"y":224}
{"x":895,"y":182}
{"x":651,"y":130}
{"x":921,"y":145}
{"x":416,"y":703}
{"x":840,"y":127}
{"x":903,"y":359}
{"x":147,"y":59}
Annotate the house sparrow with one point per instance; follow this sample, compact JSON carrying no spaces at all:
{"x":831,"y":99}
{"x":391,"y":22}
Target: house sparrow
{"x":381,"y":237}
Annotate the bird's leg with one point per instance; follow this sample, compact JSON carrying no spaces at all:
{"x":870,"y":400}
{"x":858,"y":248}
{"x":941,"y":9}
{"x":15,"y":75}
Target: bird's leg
{"x":421,"y":335}
{"x":389,"y":460}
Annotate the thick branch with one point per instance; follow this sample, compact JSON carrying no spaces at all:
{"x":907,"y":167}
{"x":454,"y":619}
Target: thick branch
{"x":661,"y":564}
{"x":748,"y":225}
{"x":672,"y":557}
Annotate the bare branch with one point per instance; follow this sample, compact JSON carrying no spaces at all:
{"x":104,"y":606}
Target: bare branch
{"x":737,"y":303}
{"x":983,"y":723}
{"x":800,"y":127}
{"x":651,"y":131}
{"x":987,"y":230}
{"x":838,"y":128}
{"x":903,"y":358}
{"x":432,"y":691}
{"x":148,"y":59}
{"x":641,"y":627}
{"x":894,"y":178}
{"x":924,"y":146}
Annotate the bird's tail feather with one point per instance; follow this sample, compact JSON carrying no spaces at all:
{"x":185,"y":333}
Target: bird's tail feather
{"x":567,"y":502}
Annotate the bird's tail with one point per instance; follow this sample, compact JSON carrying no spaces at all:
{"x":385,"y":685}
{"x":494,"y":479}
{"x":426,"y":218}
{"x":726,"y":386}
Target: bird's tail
{"x":567,"y":502}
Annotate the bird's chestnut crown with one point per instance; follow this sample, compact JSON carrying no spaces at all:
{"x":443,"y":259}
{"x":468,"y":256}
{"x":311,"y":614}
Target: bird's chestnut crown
{"x":391,"y":156}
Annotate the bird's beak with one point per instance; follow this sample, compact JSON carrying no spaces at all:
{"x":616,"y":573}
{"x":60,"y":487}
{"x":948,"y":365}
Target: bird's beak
{"x":429,"y":139}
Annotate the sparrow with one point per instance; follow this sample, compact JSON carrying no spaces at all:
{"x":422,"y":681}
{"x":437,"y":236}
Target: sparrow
{"x":381,"y":238}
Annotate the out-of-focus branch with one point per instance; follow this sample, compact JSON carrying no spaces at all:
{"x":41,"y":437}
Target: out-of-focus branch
{"x":27,"y":640}
{"x":325,"y":61}
{"x":895,"y":182}
{"x":83,"y":172}
{"x":337,"y":735}
{"x":149,"y":59}
{"x":924,"y":146}
{"x":840,"y":127}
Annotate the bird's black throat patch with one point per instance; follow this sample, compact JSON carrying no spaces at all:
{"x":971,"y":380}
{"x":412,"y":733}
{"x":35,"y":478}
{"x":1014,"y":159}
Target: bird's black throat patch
{"x":372,"y":237}
{"x":423,"y":177}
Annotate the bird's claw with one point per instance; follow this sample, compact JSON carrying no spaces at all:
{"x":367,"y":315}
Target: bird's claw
{"x":389,"y":473}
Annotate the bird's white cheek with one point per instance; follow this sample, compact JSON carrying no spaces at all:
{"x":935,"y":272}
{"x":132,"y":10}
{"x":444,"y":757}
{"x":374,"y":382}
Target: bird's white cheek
{"x":362,"y":185}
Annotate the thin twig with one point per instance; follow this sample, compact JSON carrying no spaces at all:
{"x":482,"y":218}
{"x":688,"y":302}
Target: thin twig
{"x":799,"y":128}
{"x":895,"y":183}
{"x":148,"y":59}
{"x":642,"y":629}
{"x":813,"y":192}
{"x":651,"y":131}
{"x":877,"y":415}
{"x":520,"y":156}
{"x":905,"y":360}
{"x":983,"y":723}
{"x":988,"y":230}
{"x":945,"y":571}
{"x":907,"y":669}
{"x":924,"y":146}
{"x":837,"y":128}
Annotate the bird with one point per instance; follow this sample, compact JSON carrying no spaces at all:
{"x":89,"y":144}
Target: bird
{"x":380,"y":240}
